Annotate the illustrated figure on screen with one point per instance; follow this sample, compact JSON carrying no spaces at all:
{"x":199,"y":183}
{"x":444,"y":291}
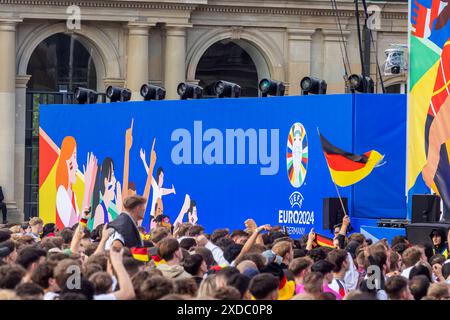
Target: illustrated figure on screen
{"x":67,"y":211}
{"x":157,"y":187}
{"x":160,"y":219}
{"x":192,"y":213}
{"x":128,"y":188}
{"x":430,"y":20}
{"x":107,"y":194}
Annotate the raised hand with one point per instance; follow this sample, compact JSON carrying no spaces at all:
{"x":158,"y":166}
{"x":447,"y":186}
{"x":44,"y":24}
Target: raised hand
{"x":106,"y":232}
{"x":90,"y":171}
{"x":86,"y":213}
{"x":129,"y":136}
{"x":142,"y":155}
{"x":116,"y":256}
{"x":264,"y":227}
{"x":346,"y":220}
{"x":311,"y":235}
{"x":153,"y":155}
{"x":250,"y":224}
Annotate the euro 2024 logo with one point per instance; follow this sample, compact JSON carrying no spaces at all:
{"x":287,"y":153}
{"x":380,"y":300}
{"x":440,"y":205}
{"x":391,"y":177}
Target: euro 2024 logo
{"x":297,"y":167}
{"x":297,"y":155}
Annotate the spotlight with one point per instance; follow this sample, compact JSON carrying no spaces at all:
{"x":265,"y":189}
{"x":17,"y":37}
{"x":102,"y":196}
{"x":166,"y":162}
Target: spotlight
{"x":189,"y":91}
{"x":270,"y":87}
{"x":313,"y":85}
{"x":361,"y":84}
{"x":118,"y":94}
{"x":152,"y":92}
{"x":84,"y":95}
{"x":227,"y":89}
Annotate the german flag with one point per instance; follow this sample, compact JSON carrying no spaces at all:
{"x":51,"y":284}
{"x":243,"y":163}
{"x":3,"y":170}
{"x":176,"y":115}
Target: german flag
{"x":140,"y":254}
{"x":347,"y":168}
{"x":324,"y":241}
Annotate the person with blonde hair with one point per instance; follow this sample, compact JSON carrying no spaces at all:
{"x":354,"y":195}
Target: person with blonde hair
{"x":207,"y":287}
{"x":439,"y":291}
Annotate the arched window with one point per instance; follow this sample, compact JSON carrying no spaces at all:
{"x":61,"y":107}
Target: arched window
{"x":61,"y":61}
{"x":226,"y":60}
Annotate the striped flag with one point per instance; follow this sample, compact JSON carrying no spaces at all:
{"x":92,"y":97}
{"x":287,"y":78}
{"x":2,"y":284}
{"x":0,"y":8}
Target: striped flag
{"x":324,"y":241}
{"x":347,"y":168}
{"x":140,"y":254}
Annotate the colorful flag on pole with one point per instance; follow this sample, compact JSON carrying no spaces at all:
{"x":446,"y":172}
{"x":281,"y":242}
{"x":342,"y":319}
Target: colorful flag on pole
{"x":347,"y":168}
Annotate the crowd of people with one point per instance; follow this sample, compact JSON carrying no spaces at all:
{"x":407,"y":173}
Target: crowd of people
{"x":120,"y":261}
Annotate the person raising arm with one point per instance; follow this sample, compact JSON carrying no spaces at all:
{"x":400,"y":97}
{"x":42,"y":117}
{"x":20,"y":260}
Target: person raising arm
{"x":126,"y":291}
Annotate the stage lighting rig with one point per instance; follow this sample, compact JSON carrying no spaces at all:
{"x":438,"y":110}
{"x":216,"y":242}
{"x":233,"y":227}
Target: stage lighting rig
{"x":84,"y":95}
{"x":311,"y":85}
{"x":152,"y":92}
{"x":118,"y":94}
{"x":269,"y":87}
{"x":189,"y":91}
{"x":361,"y":84}
{"x":226,"y":89}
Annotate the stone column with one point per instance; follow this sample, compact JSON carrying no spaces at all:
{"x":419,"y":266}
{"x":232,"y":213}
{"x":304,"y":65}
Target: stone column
{"x":137,"y":58}
{"x":19,"y":169}
{"x":175,"y":60}
{"x":299,"y":42}
{"x":7,"y":110}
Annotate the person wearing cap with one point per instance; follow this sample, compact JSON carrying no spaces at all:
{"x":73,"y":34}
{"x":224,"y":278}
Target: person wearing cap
{"x":439,"y":245}
{"x":8,"y":252}
{"x":3,"y":207}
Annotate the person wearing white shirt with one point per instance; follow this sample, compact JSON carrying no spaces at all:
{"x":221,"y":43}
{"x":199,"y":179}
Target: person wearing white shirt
{"x":339,"y":258}
{"x":410,"y":257}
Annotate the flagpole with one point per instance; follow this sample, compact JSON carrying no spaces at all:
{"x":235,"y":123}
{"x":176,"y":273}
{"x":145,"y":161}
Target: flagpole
{"x":335,"y":185}
{"x":340,"y":198}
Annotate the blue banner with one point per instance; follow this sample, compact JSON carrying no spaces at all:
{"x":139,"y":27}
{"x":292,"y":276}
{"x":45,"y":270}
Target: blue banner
{"x":237,"y":158}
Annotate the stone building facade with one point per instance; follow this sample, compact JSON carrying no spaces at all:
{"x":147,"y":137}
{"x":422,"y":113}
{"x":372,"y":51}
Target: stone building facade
{"x":163,"y":42}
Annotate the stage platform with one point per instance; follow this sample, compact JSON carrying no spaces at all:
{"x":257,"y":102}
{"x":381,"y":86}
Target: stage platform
{"x":369,"y":228}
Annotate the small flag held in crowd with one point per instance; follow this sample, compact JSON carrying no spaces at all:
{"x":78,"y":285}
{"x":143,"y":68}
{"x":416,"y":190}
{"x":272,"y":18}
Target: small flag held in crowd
{"x":324,"y":241}
{"x":83,"y":222}
{"x":140,"y":254}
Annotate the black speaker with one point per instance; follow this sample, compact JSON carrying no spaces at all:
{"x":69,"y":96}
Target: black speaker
{"x":418,"y":233}
{"x":425,"y":208}
{"x":332,"y":212}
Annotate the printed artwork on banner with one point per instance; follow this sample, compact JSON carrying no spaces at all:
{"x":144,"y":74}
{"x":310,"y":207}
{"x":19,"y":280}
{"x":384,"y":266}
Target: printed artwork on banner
{"x":68,"y":189}
{"x":429,"y":100}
